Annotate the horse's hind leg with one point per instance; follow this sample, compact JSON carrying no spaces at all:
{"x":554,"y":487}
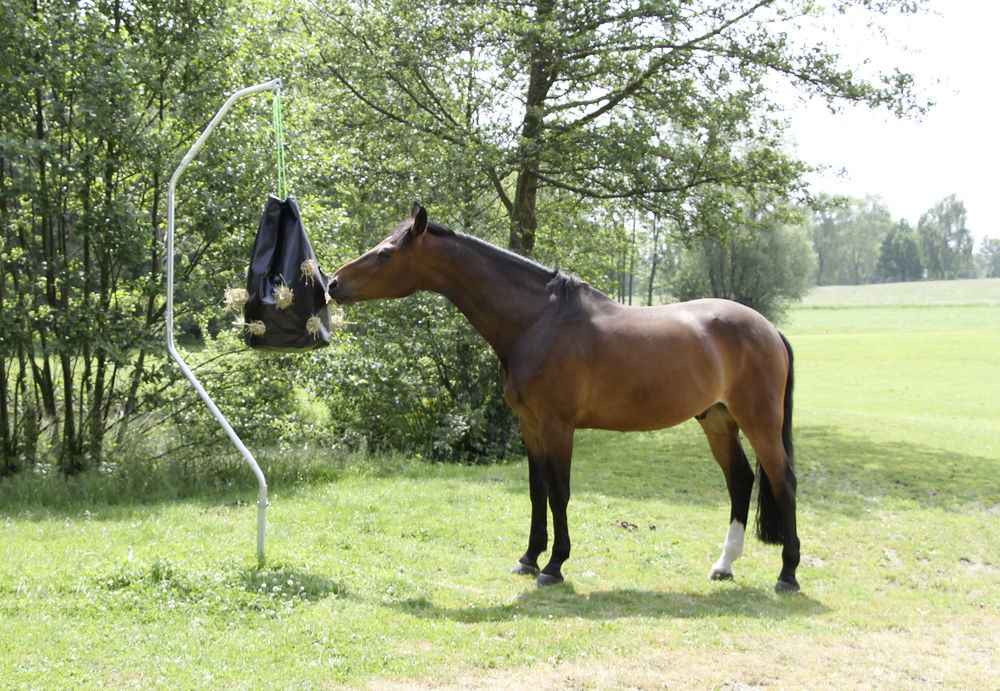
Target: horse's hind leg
{"x":776,"y":504}
{"x":724,"y":440}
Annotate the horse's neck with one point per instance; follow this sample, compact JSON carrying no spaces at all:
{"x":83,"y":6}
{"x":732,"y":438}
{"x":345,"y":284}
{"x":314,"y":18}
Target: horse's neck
{"x":500,"y":297}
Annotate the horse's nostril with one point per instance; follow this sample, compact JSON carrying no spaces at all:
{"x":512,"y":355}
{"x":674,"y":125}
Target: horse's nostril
{"x":333,"y":283}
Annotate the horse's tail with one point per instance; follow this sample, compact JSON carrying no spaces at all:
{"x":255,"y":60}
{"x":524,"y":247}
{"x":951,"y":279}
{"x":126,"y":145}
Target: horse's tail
{"x":770,"y":525}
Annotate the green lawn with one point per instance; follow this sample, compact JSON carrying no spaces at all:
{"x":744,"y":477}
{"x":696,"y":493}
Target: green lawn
{"x":395,"y":574}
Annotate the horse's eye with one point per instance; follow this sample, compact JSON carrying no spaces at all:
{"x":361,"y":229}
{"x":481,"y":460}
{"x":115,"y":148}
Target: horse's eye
{"x":384,"y":253}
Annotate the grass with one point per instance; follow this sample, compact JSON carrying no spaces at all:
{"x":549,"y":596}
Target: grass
{"x":395,"y":575}
{"x":982,"y":291}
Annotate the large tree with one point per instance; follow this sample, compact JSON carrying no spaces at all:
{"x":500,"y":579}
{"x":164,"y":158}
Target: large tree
{"x":767,"y":264}
{"x":988,"y":257}
{"x":847,"y":237}
{"x":945,"y":242}
{"x":899,"y":256}
{"x":643,"y":103}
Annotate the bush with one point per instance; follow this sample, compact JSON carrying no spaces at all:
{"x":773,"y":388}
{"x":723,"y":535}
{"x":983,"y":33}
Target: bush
{"x":408,"y":376}
{"x":414,"y":376}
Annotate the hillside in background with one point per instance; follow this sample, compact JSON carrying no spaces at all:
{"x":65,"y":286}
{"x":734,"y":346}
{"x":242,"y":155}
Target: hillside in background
{"x":983,"y":291}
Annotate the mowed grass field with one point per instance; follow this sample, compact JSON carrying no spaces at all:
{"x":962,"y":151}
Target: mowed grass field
{"x":395,"y":575}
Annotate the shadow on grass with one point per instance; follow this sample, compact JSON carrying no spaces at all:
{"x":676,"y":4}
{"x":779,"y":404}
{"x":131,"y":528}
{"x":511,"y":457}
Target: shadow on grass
{"x":563,"y":601}
{"x":837,"y":471}
{"x":850,"y":475}
{"x":218,"y":481}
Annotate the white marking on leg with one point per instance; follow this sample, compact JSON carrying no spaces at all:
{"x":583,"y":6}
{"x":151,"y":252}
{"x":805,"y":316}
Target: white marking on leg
{"x":731,"y":551}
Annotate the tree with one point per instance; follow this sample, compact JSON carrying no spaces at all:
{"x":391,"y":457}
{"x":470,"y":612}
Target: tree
{"x":869,"y":223}
{"x":638,"y":104}
{"x":988,"y":257}
{"x":899,"y":256}
{"x":766,"y":266}
{"x":847,"y":234}
{"x":945,"y":242}
{"x":828,"y":217}
{"x":96,"y":99}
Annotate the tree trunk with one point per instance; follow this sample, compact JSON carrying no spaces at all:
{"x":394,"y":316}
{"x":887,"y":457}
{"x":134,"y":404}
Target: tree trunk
{"x":523,"y":220}
{"x":653,"y":262}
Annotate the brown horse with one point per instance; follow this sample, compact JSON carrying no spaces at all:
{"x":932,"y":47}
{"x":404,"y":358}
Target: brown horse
{"x":571,"y":357}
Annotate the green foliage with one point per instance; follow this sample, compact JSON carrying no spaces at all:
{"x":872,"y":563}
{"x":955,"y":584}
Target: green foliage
{"x":899,"y":256}
{"x":98,"y":103}
{"x":848,"y":235}
{"x":415,"y":376}
{"x":767,"y":267}
{"x":538,"y":126}
{"x":856,"y":242}
{"x":640,"y":105}
{"x":988,"y":257}
{"x":945,"y":242}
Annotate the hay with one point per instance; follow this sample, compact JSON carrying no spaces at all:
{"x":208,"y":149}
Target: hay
{"x":312,"y":325}
{"x":308,"y":268}
{"x":235,"y":298}
{"x":336,"y":320}
{"x":283,"y":296}
{"x":256,"y":328}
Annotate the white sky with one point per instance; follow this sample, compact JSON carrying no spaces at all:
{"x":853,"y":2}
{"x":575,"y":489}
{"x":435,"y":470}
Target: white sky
{"x":954,"y":149}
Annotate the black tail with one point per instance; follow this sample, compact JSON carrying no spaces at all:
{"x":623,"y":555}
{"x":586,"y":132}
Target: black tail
{"x":770,"y":525}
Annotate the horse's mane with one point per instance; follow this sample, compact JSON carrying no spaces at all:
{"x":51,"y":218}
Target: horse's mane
{"x":561,"y":284}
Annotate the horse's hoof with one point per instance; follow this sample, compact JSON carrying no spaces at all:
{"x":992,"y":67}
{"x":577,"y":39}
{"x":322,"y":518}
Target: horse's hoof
{"x":721,"y":575}
{"x":523,"y":569}
{"x":545,"y":579}
{"x":784,"y":587}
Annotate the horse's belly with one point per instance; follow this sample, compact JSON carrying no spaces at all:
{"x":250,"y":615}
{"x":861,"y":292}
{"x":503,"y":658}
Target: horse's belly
{"x":645,"y":404}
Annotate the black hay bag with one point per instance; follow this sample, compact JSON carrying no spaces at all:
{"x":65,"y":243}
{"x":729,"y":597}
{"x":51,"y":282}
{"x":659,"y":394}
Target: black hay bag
{"x":286,"y":309}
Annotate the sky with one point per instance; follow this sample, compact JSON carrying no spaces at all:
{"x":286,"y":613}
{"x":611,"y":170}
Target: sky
{"x":913,"y":164}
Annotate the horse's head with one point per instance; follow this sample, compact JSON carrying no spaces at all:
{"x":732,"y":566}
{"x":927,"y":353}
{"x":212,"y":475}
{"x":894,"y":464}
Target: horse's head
{"x":389,"y":270}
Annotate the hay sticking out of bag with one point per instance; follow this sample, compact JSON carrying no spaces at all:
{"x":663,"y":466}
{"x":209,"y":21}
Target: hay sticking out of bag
{"x":312,"y":325}
{"x":283,"y":296}
{"x":235,"y":298}
{"x":308,"y":268}
{"x":239,"y":323}
{"x":336,"y":320}
{"x":256,"y":328}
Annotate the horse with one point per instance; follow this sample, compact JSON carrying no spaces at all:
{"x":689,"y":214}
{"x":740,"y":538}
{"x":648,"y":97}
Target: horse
{"x":571,"y":357}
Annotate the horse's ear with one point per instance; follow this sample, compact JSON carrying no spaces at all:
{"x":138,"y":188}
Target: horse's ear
{"x":419,"y":215}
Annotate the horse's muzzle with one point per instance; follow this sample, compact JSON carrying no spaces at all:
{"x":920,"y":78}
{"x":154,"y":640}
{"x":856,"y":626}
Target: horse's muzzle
{"x":338,"y":293}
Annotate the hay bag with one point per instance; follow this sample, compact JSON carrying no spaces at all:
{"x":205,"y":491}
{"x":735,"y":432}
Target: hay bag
{"x":286,"y":306}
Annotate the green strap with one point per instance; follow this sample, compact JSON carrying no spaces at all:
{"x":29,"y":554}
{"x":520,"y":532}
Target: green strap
{"x":279,"y":143}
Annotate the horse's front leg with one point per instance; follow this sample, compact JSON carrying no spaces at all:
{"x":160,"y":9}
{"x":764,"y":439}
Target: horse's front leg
{"x":538,"y":538}
{"x":558,"y":444}
{"x":558,"y":486}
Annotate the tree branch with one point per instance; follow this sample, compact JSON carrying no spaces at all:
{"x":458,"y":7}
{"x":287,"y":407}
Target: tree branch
{"x":613,"y":99}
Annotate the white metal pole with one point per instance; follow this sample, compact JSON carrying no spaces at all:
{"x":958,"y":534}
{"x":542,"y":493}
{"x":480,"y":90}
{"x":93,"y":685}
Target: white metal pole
{"x":273,"y":85}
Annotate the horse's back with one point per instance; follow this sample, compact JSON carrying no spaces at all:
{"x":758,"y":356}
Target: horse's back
{"x":654,"y":367}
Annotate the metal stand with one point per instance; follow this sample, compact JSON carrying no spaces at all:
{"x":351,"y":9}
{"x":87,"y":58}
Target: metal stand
{"x":273,"y":85}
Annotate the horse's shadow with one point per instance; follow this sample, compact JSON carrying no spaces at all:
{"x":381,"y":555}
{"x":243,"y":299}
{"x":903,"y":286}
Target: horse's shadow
{"x":563,"y":601}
